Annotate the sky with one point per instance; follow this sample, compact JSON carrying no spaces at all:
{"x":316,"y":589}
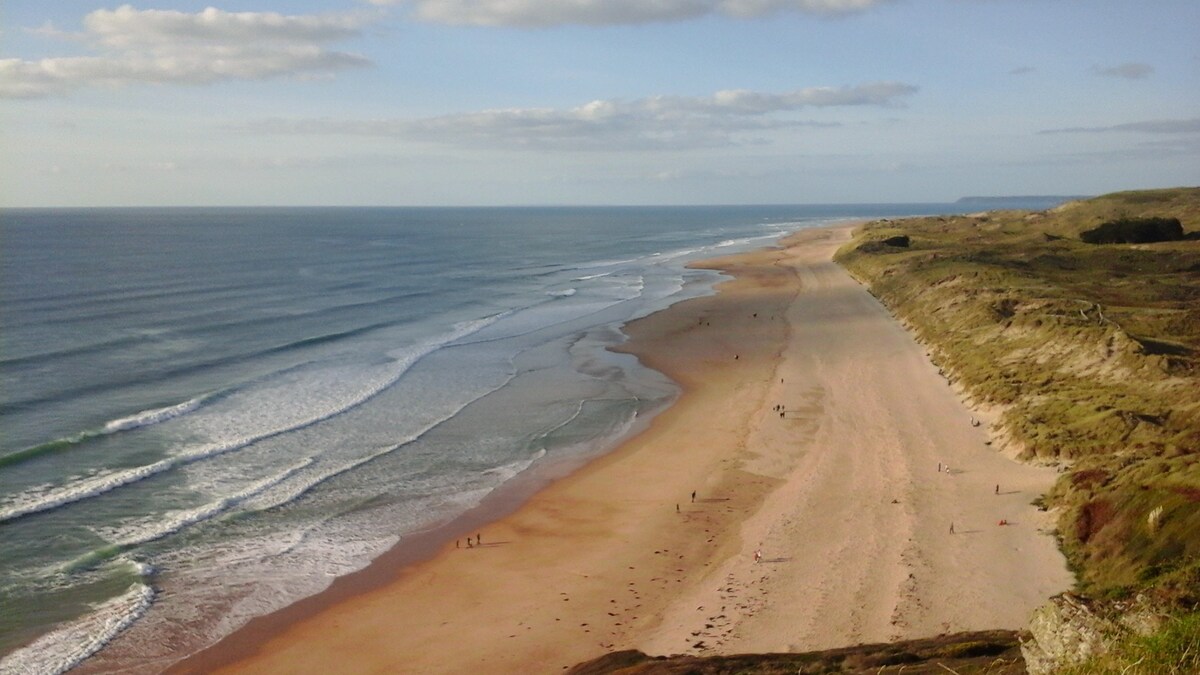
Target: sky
{"x":502,"y":102}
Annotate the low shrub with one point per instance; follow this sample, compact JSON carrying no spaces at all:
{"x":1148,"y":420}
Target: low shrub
{"x":1134,"y":231}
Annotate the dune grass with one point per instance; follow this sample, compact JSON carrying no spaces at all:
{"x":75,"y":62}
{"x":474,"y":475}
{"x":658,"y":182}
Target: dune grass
{"x":1172,"y":650}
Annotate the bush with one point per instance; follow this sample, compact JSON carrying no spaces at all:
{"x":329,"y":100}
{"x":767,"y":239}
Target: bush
{"x":1134,"y":231}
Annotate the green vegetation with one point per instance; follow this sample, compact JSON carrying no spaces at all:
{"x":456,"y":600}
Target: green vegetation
{"x":1173,"y":650}
{"x":1091,"y":355}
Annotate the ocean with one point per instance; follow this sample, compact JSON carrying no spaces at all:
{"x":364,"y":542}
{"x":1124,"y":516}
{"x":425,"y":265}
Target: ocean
{"x":210,"y":413}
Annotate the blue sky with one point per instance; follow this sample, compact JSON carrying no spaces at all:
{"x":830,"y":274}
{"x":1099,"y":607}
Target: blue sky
{"x":431,"y":102}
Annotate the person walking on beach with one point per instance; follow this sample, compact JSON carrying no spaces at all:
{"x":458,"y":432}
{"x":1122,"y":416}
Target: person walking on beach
{"x":478,"y":539}
{"x":757,"y":556}
{"x":693,"y":496}
{"x":952,"y":528}
{"x":997,"y":488}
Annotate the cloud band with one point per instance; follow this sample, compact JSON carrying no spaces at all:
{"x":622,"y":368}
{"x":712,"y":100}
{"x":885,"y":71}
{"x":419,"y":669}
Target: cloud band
{"x":544,"y":13}
{"x":157,"y":46}
{"x":676,"y":122}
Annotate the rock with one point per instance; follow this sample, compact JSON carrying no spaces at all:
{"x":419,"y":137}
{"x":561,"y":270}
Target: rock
{"x":1065,"y":632}
{"x":993,"y":652}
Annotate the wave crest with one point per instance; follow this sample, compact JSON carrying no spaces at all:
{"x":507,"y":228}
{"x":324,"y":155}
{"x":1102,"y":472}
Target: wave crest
{"x":153,"y":416}
{"x":66,"y":647}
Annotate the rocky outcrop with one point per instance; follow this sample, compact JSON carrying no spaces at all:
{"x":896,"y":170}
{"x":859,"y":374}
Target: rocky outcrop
{"x":1066,"y":631}
{"x":995,"y":652}
{"x":1070,"y":629}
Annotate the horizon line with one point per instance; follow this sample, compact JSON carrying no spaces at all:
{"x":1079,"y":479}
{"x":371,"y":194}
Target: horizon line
{"x":533,"y":205}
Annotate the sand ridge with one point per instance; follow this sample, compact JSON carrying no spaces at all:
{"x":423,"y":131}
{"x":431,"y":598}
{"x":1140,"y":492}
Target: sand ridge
{"x":838,"y":489}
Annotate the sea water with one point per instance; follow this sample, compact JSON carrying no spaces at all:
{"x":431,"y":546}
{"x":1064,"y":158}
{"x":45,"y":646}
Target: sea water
{"x":208,"y":414}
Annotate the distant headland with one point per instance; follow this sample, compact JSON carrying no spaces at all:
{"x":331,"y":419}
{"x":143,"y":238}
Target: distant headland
{"x":1018,"y":201}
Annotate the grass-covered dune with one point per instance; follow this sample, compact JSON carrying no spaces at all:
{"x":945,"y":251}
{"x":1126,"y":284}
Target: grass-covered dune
{"x":1088,"y":353}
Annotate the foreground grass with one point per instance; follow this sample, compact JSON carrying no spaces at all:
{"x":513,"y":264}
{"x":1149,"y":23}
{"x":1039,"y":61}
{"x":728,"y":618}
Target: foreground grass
{"x":1090,"y":354}
{"x":1173,"y":650}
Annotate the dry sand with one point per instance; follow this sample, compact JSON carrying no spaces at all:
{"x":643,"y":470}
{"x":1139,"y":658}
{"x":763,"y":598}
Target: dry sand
{"x":841,"y":494}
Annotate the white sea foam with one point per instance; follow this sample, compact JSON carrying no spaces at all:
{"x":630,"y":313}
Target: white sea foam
{"x":149,"y":417}
{"x":294,"y":489}
{"x":605,"y":263}
{"x":589,"y":277}
{"x":37,"y":500}
{"x":682,"y":253}
{"x":170,"y":523}
{"x":520,"y":326}
{"x":637,"y":285}
{"x":508,"y":471}
{"x":572,"y":418}
{"x":68,"y":645}
{"x":565,"y":293}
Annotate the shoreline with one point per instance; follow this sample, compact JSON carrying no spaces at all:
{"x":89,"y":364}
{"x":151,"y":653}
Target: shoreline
{"x":614,"y":554}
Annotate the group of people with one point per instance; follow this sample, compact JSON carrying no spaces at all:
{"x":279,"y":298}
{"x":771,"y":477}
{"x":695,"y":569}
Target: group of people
{"x":478,"y":541}
{"x":1003,"y":521}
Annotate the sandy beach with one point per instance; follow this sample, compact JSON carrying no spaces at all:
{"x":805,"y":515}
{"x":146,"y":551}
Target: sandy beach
{"x":811,"y":429}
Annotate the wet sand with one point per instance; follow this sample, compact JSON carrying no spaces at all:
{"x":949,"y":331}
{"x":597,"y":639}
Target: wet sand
{"x":810,"y":428}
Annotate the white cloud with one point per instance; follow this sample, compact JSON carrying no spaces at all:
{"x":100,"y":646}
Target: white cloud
{"x":126,"y":27}
{"x":155,"y":167}
{"x":541,"y":13}
{"x":1128,"y":71}
{"x":1187,"y":126}
{"x":159,"y":46}
{"x":674,"y":122}
{"x":48,"y":30}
